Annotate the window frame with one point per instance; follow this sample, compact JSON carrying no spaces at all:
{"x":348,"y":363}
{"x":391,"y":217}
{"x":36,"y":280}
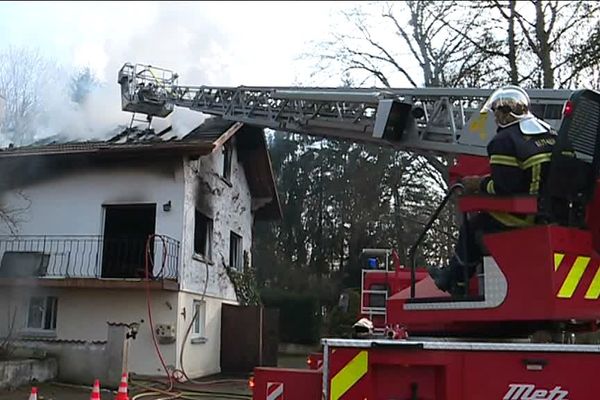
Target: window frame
{"x":199,"y":327}
{"x":206,"y":255}
{"x":49,"y":302}
{"x":239,"y":257}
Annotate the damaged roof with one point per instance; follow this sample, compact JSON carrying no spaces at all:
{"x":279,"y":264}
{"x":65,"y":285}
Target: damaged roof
{"x":208,"y":137}
{"x":127,"y":140}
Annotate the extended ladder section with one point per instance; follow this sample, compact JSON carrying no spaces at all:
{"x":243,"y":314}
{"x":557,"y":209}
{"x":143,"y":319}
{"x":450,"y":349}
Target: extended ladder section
{"x":444,"y":120}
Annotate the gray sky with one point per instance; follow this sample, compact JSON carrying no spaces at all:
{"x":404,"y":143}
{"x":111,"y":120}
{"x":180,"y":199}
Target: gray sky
{"x":207,"y":43}
{"x":250,"y":43}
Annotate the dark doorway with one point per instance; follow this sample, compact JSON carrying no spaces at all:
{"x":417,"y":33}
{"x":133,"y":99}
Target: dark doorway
{"x":126,"y":229}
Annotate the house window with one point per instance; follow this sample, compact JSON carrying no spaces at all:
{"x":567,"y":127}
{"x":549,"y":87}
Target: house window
{"x":203,"y":228}
{"x":227,"y":156}
{"x":235,"y":251}
{"x":199,"y":309}
{"x":42,"y":313}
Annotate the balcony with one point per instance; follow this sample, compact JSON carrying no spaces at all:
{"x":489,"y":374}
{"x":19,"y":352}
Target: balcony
{"x":89,"y":261}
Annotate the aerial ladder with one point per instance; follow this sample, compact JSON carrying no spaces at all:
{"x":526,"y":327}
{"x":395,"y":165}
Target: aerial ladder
{"x":443,"y":120}
{"x":544,"y":278}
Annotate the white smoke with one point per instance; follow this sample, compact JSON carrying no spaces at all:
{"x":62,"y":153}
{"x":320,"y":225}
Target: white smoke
{"x":94,"y":119}
{"x":176,"y":36}
{"x":51,"y":111}
{"x":206,"y":43}
{"x":183,"y":40}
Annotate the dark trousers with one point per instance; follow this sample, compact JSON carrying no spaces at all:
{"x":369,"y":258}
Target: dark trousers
{"x":470,"y":249}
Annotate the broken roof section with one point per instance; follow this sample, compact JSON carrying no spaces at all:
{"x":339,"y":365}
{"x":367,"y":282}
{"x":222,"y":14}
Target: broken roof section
{"x":205,"y":139}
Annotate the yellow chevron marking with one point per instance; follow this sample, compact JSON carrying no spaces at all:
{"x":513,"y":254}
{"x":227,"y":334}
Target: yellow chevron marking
{"x":593,"y":291}
{"x":573,"y":278}
{"x":349,"y":375}
{"x":558,"y":257}
{"x":478,"y":126}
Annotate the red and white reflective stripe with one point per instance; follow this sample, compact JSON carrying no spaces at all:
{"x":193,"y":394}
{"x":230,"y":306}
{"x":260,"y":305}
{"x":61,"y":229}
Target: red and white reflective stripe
{"x":274,"y":391}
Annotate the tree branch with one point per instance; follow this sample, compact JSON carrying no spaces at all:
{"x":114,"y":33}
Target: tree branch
{"x":406,"y":38}
{"x":465,"y":35}
{"x":574,"y":21}
{"x":389,"y":58}
{"x":534,"y":47}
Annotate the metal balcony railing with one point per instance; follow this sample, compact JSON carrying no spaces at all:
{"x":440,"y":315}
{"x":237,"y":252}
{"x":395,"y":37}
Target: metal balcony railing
{"x":67,"y":256}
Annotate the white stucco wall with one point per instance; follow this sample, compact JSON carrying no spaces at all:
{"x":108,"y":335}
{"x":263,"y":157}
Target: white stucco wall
{"x":72,"y":203}
{"x":200,"y":358}
{"x":100,"y":306}
{"x":230,"y":208}
{"x":82,"y":314}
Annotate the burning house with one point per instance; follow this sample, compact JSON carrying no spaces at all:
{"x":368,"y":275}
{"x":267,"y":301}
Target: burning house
{"x":85,"y":223}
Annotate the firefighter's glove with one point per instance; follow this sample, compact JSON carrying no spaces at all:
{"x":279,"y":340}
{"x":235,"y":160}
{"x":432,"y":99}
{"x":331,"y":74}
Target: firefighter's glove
{"x":471,"y":184}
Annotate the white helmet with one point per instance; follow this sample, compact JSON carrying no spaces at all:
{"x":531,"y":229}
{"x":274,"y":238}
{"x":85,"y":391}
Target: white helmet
{"x":363,"y":325}
{"x":511,"y":105}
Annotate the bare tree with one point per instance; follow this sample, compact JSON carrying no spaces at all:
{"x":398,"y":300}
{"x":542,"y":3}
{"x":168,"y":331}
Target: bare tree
{"x":427,"y":47}
{"x":11,"y":216}
{"x":423,"y":43}
{"x":434,"y":39}
{"x":7,"y":219}
{"x":512,"y":44}
{"x":82,"y":84}
{"x":556,"y":40}
{"x":23,"y":75}
{"x":419,"y":43}
{"x":584,"y":60}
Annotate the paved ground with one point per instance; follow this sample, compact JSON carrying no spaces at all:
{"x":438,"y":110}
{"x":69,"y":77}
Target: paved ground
{"x":233,"y":385}
{"x":50,"y":391}
{"x":47,"y":391}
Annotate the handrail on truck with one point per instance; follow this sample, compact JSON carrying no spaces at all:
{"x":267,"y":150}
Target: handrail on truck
{"x":421,"y":237}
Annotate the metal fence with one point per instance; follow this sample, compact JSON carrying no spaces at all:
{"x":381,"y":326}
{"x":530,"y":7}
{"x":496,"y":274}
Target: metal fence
{"x":88,"y":256}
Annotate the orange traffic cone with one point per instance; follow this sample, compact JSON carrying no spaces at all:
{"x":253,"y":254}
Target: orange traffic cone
{"x":96,"y":390}
{"x":33,"y":395}
{"x":122,"y":393}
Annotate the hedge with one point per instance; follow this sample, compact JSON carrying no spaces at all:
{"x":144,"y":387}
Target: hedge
{"x":299,"y":315}
{"x":339,"y":322}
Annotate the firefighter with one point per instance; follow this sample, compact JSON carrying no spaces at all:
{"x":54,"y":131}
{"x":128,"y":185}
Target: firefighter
{"x":519,"y":156}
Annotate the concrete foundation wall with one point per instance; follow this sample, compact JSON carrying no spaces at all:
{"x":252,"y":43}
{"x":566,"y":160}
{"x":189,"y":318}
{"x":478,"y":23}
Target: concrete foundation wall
{"x":78,"y":363}
{"x":83,"y":315}
{"x":21,"y":372}
{"x":83,"y":362}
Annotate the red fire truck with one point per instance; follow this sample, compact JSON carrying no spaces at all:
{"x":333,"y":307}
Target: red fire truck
{"x":517,"y":334}
{"x":382,"y":275}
